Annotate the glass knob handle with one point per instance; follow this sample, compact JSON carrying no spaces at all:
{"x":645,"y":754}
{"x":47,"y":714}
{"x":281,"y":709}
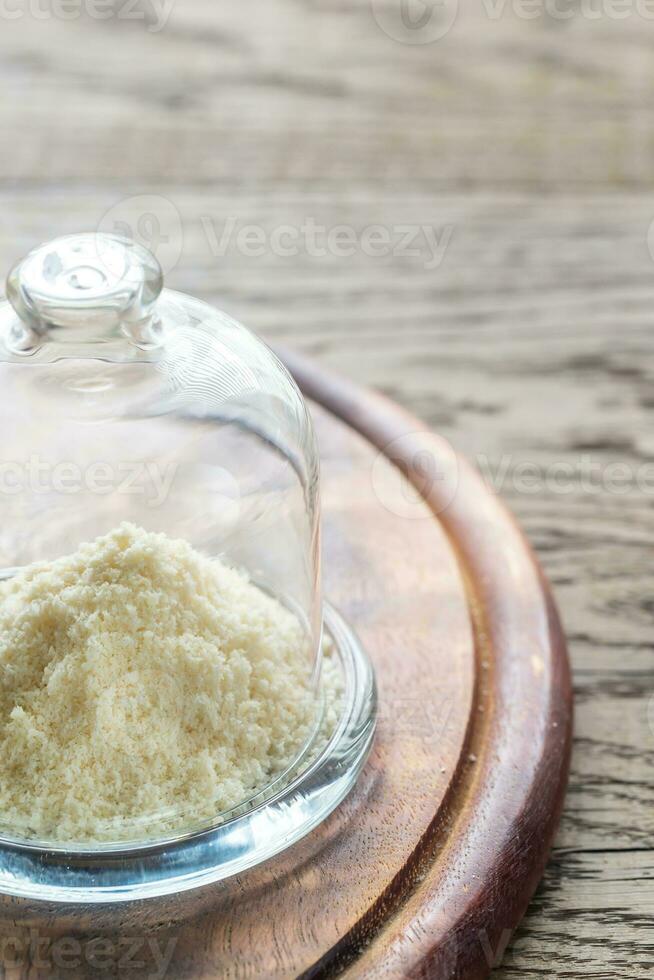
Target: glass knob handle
{"x":87,"y":287}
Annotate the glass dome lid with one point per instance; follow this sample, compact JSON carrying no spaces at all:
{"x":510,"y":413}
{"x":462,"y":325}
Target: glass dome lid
{"x":127,"y":402}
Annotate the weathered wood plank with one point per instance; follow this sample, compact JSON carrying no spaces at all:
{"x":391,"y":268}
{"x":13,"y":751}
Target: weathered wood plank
{"x":275,"y":90}
{"x":531,"y":341}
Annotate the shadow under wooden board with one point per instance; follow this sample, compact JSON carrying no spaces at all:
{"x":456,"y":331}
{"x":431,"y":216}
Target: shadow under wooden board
{"x":428,"y":865}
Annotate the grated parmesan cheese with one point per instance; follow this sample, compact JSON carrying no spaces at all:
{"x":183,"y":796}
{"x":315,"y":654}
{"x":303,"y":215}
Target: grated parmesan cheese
{"x":138,"y":677}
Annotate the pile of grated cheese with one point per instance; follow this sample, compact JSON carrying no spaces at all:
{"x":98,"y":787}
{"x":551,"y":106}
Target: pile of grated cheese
{"x":138,"y":677}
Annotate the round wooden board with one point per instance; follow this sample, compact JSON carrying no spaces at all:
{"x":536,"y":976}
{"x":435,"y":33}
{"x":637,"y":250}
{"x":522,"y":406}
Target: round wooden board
{"x":428,"y":866}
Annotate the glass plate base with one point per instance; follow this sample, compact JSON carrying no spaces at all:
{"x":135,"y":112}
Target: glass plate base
{"x":241,"y":843}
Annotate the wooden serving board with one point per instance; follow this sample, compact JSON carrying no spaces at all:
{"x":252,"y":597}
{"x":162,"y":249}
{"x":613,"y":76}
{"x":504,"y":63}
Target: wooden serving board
{"x":428,"y":866}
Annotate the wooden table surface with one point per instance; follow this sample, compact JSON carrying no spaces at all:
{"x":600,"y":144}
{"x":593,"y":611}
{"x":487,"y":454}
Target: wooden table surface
{"x":505,"y":293}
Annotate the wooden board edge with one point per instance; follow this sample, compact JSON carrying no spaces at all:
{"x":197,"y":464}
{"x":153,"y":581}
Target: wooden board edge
{"x":452,"y":913}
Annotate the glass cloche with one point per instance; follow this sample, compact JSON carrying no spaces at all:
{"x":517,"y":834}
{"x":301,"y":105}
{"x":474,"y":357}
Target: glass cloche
{"x":127,"y":402}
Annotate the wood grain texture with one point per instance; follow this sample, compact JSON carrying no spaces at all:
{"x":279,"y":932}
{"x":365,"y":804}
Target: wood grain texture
{"x":428,"y":866}
{"x":491,"y":837}
{"x":531,"y":343}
